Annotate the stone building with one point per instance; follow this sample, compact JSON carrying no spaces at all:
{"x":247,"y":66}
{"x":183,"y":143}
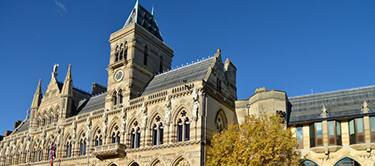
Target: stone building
{"x":150,"y":114}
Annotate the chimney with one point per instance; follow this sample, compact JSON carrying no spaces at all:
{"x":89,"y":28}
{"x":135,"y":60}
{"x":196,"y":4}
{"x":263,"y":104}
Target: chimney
{"x":7,"y":133}
{"x":17,"y":123}
{"x":97,"y":89}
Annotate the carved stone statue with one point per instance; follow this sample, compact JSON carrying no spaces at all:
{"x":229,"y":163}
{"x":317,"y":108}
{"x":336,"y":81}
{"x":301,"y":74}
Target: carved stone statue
{"x":168,"y":111}
{"x":123,"y":120}
{"x":195,"y":95}
{"x":74,"y":131}
{"x":144,"y":115}
{"x":105,"y":122}
{"x":195,"y":110}
{"x":88,"y":127}
{"x":59,"y":134}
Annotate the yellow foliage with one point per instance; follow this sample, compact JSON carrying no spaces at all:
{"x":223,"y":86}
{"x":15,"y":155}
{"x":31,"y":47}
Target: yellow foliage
{"x":259,"y":141}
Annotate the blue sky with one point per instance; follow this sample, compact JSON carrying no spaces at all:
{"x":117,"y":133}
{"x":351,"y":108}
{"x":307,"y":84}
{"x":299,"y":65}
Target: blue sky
{"x":300,"y":46}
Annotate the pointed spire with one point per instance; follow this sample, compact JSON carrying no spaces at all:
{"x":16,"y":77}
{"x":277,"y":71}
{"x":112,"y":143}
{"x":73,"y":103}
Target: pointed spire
{"x":67,"y":89}
{"x":54,"y":71}
{"x":218,"y":53}
{"x":37,"y":96}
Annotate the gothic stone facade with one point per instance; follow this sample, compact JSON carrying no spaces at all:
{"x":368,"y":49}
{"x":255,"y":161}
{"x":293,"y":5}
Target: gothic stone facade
{"x":150,"y":114}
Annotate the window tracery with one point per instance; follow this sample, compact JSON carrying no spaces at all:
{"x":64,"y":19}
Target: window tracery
{"x":157,"y":131}
{"x":135,"y":136}
{"x":183,"y":127}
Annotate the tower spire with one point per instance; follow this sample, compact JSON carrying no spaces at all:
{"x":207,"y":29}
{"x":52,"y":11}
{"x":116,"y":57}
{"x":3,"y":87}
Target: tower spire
{"x":37,"y":96}
{"x":67,"y":89}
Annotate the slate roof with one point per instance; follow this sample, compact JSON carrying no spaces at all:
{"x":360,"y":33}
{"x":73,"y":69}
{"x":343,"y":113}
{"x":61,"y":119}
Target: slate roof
{"x":144,"y":18}
{"x":189,"y":73}
{"x":342,"y":104}
{"x":94,"y":103}
{"x":23,"y":126}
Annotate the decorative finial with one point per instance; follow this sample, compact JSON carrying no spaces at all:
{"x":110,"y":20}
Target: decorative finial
{"x":54,"y":71}
{"x":152,"y":10}
{"x":324,"y":113}
{"x":365,"y":108}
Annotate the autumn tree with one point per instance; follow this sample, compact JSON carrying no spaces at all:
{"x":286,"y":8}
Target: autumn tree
{"x":259,"y":141}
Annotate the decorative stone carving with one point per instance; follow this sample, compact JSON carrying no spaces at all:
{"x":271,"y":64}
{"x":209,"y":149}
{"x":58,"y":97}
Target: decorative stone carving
{"x":105,"y":122}
{"x":59,"y":134}
{"x":195,"y":110}
{"x":144,"y":116}
{"x":168,"y":111}
{"x":123,"y":120}
{"x":324,"y":112}
{"x":28,"y":143}
{"x":365,"y":108}
{"x":88,"y":127}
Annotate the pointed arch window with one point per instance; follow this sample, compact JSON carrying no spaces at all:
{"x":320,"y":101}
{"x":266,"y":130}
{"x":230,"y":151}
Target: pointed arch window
{"x":82,"y":145}
{"x":68,"y":148}
{"x":114,"y":98}
{"x":98,"y":138}
{"x":157,"y":132}
{"x":135,"y":138}
{"x":120,"y":96}
{"x":183,"y":128}
{"x":125,"y":51}
{"x":117,"y":54}
{"x":116,"y":135}
{"x":121,"y":52}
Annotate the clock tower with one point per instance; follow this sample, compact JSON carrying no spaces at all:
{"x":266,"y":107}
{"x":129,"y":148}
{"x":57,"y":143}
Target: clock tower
{"x":137,"y":54}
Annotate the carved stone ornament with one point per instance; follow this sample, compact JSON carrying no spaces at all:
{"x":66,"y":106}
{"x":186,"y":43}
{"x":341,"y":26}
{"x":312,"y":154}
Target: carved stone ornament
{"x":123,"y":120}
{"x":143,"y":115}
{"x":168,"y":111}
{"x":28,"y":142}
{"x":365,"y":108}
{"x":324,"y":112}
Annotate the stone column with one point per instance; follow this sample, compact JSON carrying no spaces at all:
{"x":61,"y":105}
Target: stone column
{"x":345,"y":133}
{"x":306,"y":136}
{"x":367,"y":129}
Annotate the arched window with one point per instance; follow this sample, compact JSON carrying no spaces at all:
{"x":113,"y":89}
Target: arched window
{"x":126,"y":51}
{"x":347,"y":162}
{"x":98,"y":138}
{"x":68,"y":147}
{"x":116,"y":54}
{"x":157,"y":132}
{"x":221,"y":121}
{"x":183,"y":128}
{"x":82,"y":145}
{"x":308,"y":163}
{"x":120,"y":97}
{"x":116,"y":135}
{"x":114,"y":98}
{"x":121,"y":51}
{"x":135,"y":138}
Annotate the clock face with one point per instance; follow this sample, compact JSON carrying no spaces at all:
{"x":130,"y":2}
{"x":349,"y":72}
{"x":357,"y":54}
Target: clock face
{"x":119,"y":75}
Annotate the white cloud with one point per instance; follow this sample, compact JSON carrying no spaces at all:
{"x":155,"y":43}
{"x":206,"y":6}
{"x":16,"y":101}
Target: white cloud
{"x":61,"y":8}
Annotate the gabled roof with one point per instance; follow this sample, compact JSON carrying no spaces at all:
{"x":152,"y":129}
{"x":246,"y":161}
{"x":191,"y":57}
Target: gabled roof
{"x":179,"y":76}
{"x":339,"y":104}
{"x":139,"y":15}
